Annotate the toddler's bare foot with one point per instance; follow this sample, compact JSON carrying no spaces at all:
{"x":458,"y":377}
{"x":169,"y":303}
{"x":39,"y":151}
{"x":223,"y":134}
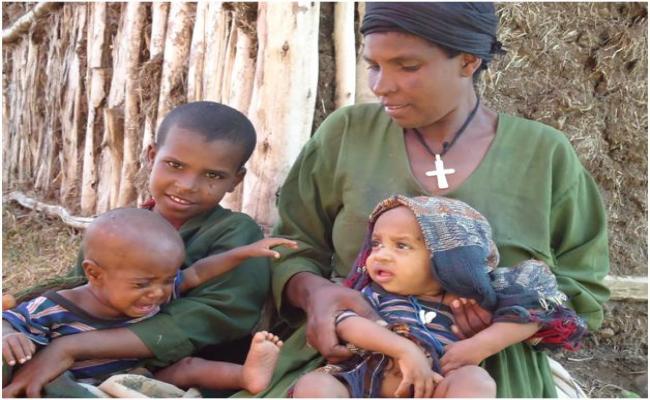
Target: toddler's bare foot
{"x":260,"y":362}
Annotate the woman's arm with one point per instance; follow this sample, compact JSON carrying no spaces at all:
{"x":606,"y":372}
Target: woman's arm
{"x":322,"y":301}
{"x":579,"y":240}
{"x":484,"y":344}
{"x":310,"y":200}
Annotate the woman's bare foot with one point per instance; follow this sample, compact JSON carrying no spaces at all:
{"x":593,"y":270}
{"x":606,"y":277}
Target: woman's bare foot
{"x":260,"y":362}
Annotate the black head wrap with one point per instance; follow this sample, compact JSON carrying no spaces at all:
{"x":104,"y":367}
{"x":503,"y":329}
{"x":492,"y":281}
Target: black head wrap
{"x":466,"y":27}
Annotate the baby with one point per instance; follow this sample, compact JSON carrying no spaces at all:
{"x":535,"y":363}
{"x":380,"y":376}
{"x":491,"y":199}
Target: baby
{"x":421,"y":253}
{"x":131,"y":259}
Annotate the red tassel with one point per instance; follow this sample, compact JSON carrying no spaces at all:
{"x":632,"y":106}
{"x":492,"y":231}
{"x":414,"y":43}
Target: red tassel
{"x":559,"y":332}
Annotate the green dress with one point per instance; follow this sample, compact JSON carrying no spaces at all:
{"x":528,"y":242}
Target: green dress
{"x":530,"y":185}
{"x":218,"y":312}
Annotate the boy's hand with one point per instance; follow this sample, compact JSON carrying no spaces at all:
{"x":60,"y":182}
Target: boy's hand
{"x":262,"y":248}
{"x":461,"y":353}
{"x":416,"y":371}
{"x":47,"y":364}
{"x":17,"y":348}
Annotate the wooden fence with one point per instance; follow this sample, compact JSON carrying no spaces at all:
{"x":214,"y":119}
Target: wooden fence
{"x":86,"y":85}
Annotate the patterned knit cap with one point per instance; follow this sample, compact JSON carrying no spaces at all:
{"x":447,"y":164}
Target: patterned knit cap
{"x":459,"y":239}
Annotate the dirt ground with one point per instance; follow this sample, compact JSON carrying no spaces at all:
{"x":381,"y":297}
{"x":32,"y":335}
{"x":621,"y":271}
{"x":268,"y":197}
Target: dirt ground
{"x":612,"y":363}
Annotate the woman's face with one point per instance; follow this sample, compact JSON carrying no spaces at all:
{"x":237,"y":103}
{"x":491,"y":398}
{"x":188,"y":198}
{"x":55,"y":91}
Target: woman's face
{"x":416,"y":81}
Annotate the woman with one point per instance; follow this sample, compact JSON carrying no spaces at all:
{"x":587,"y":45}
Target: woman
{"x":431,"y":135}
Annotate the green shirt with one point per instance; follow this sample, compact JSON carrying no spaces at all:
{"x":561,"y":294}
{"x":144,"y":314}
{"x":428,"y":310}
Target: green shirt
{"x":530,"y":185}
{"x":221,"y":310}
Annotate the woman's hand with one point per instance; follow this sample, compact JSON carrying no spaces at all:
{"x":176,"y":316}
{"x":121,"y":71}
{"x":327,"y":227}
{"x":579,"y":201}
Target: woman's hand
{"x":470,"y":318}
{"x":461,"y":353}
{"x":322,"y":300}
{"x":47,"y":364}
{"x":416,"y":371}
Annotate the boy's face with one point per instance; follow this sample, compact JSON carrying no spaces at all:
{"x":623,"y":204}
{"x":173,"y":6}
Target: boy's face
{"x":190,"y":175}
{"x":135,"y":286}
{"x":400,"y":261}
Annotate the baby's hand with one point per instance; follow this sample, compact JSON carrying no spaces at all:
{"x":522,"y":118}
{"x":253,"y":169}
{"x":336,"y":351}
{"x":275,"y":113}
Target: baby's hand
{"x":416,"y":371}
{"x":17,"y":347}
{"x":262,"y":248}
{"x":461,"y":353}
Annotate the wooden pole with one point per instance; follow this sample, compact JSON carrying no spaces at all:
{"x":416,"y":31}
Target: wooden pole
{"x":363,"y":93}
{"x":21,"y":103}
{"x":53,"y":77}
{"x":71,"y":112}
{"x":96,"y":76}
{"x":240,"y":97}
{"x":217,"y":29}
{"x":177,"y":48}
{"x":5,"y":128}
{"x":24,"y":23}
{"x":33,"y":204}
{"x":197,"y":54}
{"x":135,"y":14}
{"x":228,"y":63}
{"x":287,"y":64}
{"x":110,"y":156}
{"x":10,"y":161}
{"x":34,"y":119}
{"x":345,"y":53}
{"x":159,"y":12}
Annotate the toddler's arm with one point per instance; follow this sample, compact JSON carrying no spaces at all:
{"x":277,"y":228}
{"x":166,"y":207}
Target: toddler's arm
{"x":488,"y":342}
{"x":16,"y":347}
{"x":210,"y":267}
{"x":412,"y":362}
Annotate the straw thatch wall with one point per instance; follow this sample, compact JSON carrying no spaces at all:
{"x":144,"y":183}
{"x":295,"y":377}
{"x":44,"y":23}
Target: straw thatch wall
{"x":85,"y":86}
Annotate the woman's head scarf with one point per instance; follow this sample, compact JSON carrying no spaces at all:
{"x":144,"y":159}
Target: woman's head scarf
{"x":466,"y":27}
{"x":464,"y":259}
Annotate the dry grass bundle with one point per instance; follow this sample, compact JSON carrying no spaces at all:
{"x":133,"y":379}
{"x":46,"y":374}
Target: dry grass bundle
{"x":34,"y":248}
{"x":582,"y":68}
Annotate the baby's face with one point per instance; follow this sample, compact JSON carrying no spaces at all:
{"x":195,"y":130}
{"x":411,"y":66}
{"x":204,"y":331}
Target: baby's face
{"x":136,"y":287}
{"x":400,"y":261}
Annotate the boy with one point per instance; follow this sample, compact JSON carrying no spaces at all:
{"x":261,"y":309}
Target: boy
{"x":131,"y":261}
{"x":420,"y":251}
{"x":198,"y":157}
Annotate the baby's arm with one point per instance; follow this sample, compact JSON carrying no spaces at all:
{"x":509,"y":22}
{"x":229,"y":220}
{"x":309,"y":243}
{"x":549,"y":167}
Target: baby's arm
{"x":488,"y":342}
{"x":16,"y":347}
{"x":210,"y":267}
{"x":412,"y":362}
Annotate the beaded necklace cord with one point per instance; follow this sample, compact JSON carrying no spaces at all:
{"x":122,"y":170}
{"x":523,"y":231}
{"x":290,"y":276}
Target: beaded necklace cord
{"x":440,"y":172}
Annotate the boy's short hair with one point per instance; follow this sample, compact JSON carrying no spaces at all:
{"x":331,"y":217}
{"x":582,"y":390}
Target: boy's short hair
{"x":126,"y":231}
{"x":213,"y":121}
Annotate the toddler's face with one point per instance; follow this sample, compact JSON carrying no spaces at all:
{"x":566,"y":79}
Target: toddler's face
{"x":190,"y":175}
{"x":400,"y":261}
{"x":137,"y":287}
